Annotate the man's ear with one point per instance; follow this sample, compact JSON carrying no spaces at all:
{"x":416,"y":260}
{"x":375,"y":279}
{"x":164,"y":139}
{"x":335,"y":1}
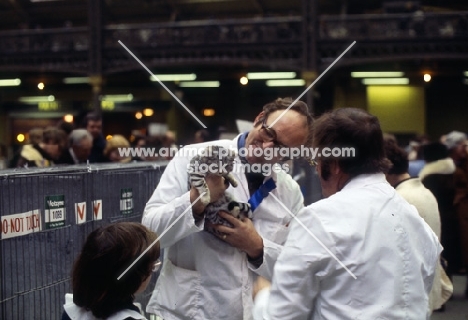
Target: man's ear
{"x":259,"y":118}
{"x":334,"y":167}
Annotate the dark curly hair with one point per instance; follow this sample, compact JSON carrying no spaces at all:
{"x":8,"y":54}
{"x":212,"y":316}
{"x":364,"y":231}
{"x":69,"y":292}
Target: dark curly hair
{"x":352,"y":128}
{"x":107,"y":252}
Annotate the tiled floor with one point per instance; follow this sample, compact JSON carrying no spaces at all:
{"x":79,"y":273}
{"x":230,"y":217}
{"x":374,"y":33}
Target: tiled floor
{"x":457,"y":307}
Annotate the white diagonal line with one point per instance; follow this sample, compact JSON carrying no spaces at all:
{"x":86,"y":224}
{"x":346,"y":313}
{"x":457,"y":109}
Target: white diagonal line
{"x":318,"y":78}
{"x":163,"y":233}
{"x":313,"y":236}
{"x":162,"y":84}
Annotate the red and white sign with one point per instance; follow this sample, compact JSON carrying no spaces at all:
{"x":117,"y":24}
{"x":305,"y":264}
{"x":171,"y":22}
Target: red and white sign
{"x":97,"y":210}
{"x":80,"y":212}
{"x":20,"y":224}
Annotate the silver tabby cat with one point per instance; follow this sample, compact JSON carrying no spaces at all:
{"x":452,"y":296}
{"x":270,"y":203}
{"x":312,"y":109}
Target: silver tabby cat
{"x":218,"y":160}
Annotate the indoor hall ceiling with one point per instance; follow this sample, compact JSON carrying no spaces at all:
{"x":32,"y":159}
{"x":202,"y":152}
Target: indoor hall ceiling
{"x":21,"y":14}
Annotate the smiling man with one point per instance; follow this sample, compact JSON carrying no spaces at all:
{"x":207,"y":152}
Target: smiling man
{"x":208,"y":276}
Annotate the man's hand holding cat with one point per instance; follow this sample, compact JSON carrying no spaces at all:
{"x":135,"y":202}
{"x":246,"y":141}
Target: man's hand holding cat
{"x":242,"y":235}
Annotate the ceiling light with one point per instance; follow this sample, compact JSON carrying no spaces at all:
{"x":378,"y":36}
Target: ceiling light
{"x":174,"y":77}
{"x":385,"y":81}
{"x":427,"y":77}
{"x":270,"y":75}
{"x":117,"y":97}
{"x":20,"y":137}
{"x":148,"y":112}
{"x":208,"y":112}
{"x":244,"y":80}
{"x":36,"y":99}
{"x":465,"y":81}
{"x":68,"y":118}
{"x":199,"y":84}
{"x":465,"y":73}
{"x":10,"y":82}
{"x":286,"y":83}
{"x":40,"y":85}
{"x":377,"y":74}
{"x":76,"y":80}
{"x":138,"y":115}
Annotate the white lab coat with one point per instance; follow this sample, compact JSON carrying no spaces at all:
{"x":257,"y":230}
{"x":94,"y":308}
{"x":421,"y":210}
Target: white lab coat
{"x":203,"y":277}
{"x":378,"y":236}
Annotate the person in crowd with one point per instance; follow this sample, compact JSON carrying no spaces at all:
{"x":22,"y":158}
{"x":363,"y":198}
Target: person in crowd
{"x":80,"y":142}
{"x":93,"y":123}
{"x":45,"y":152}
{"x":362,"y":252}
{"x":168,"y":144}
{"x":457,"y":145}
{"x":139,"y":144}
{"x":34,"y":137}
{"x":202,"y":135}
{"x":107,"y":252}
{"x":111,"y":151}
{"x":209,"y":275}
{"x":413,"y":191}
{"x":438,"y":176}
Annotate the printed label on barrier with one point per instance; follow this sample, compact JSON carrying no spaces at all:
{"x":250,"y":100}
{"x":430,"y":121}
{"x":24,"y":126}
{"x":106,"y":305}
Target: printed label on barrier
{"x":54,"y":211}
{"x":80,"y":212}
{"x":97,"y":210}
{"x":20,"y":224}
{"x":126,"y":201}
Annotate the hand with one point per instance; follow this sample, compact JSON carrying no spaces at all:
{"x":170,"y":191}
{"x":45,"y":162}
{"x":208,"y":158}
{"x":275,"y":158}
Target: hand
{"x":216,"y":187}
{"x":242,"y":235}
{"x":260,"y":284}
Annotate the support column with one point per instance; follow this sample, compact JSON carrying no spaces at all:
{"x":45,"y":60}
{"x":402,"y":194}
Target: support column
{"x":309,"y":45}
{"x":95,"y":24}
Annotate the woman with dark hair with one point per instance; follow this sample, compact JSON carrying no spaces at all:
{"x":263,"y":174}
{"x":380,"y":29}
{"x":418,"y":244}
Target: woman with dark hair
{"x":107,"y":253}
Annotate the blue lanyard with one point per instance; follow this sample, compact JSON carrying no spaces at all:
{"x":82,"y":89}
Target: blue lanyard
{"x":264,"y":189}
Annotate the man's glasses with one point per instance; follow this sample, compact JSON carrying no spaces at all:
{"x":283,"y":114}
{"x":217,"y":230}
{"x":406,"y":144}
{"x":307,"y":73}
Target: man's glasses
{"x":269,"y":135}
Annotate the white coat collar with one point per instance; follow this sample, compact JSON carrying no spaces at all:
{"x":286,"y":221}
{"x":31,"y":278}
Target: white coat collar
{"x":363,"y":180}
{"x":78,"y":313}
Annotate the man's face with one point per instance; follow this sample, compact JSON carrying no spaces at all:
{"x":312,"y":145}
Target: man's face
{"x":52,"y":148}
{"x":289,"y":131}
{"x":94,"y":127}
{"x":83,"y":149}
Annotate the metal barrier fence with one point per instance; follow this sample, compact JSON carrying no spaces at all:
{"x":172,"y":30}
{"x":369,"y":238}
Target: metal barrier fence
{"x":46,"y":215}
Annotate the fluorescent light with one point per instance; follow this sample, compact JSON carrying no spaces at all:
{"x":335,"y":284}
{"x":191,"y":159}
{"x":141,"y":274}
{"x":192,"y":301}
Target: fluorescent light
{"x":35,"y":99}
{"x":465,"y":81}
{"x":199,"y":84}
{"x":385,"y":81}
{"x":76,"y":80}
{"x":465,"y":73}
{"x":117,"y":97}
{"x":174,"y":77}
{"x":377,"y":74}
{"x":10,"y":82}
{"x":270,"y":75}
{"x":286,"y":83}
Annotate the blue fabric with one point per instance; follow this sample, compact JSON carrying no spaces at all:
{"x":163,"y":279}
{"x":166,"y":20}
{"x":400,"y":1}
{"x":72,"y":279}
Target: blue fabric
{"x":241,"y":144}
{"x":261,"y":193}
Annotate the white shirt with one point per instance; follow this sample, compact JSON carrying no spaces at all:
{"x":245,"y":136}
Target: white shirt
{"x":203,"y":277}
{"x":378,"y":236}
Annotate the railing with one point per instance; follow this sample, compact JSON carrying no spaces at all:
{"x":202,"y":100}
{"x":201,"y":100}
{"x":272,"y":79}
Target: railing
{"x":38,"y":247}
{"x":274,"y":41}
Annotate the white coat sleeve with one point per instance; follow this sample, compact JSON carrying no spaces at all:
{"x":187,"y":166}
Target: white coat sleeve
{"x":294,"y":202}
{"x":170,"y":202}
{"x":302,"y":265}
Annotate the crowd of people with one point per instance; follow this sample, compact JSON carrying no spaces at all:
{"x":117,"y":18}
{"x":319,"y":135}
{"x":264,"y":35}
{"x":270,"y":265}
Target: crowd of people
{"x":65,"y":145}
{"x":381,"y":243}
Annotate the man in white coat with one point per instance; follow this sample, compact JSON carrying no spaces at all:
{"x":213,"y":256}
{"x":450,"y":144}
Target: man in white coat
{"x":371,"y":255}
{"x":209,"y":277}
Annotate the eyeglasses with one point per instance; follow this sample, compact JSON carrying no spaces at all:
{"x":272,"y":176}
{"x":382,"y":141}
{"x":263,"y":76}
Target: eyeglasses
{"x":269,"y":135}
{"x":156,"y":266}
